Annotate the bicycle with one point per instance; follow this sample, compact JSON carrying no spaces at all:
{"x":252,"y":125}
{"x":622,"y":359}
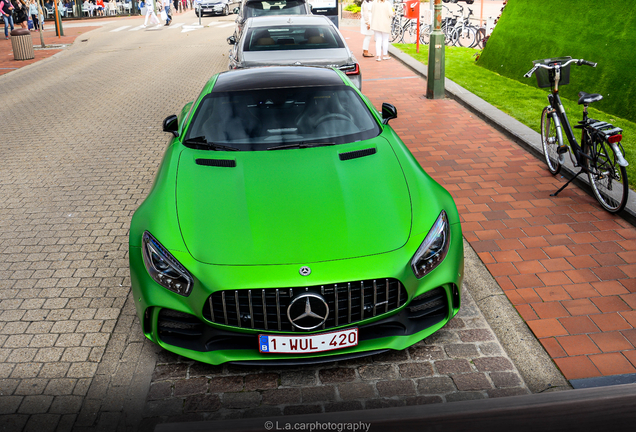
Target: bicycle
{"x":447,"y":26}
{"x":600,"y":153}
{"x":397,"y":24}
{"x":464,"y":33}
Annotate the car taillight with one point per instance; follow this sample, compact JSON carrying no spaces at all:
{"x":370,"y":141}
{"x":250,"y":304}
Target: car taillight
{"x":615,"y":138}
{"x":353,"y":69}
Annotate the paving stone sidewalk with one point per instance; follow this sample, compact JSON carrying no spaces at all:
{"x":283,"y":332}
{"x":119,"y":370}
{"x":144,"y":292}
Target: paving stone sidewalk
{"x":82,"y":143}
{"x":463,"y":361}
{"x":75,"y":358}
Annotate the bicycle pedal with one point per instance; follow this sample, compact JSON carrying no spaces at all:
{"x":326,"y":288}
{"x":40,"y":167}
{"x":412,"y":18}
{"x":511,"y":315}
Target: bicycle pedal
{"x":562,"y":149}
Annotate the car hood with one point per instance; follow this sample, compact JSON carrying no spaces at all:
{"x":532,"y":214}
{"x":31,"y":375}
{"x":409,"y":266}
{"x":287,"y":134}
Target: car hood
{"x":314,"y":57}
{"x":293,"y":206}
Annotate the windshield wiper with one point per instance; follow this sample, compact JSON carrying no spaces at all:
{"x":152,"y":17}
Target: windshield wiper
{"x":302,"y":144}
{"x":202,"y":144}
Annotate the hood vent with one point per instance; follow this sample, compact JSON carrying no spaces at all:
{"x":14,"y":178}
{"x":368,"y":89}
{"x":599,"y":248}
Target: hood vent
{"x":357,"y":154}
{"x":226,"y":163}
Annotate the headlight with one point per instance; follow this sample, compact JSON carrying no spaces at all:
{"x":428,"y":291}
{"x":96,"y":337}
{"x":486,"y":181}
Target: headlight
{"x":433,"y":249}
{"x":164,"y":268}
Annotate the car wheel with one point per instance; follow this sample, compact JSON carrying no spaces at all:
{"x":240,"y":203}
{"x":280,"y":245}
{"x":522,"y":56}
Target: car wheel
{"x":226,"y":10}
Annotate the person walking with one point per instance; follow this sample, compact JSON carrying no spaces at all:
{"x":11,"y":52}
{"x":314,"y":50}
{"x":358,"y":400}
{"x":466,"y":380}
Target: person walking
{"x":33,"y":11}
{"x":166,"y":8}
{"x":7,"y":14}
{"x":381,"y":14}
{"x":150,"y":13}
{"x":365,"y":26}
{"x":21,"y":13}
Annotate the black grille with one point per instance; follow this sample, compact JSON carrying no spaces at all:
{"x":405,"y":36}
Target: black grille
{"x":175,"y":323}
{"x":428,"y":304}
{"x":266,"y":309}
{"x":356,"y":154}
{"x":227,"y":163}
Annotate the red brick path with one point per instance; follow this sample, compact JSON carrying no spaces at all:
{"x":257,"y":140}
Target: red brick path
{"x":568,"y":266}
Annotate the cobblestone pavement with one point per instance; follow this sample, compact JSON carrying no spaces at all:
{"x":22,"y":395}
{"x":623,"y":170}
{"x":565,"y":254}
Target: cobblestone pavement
{"x":462,"y":361}
{"x":81,"y":142}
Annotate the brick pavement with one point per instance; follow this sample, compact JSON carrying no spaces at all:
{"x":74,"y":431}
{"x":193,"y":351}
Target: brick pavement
{"x":568,"y":266}
{"x":82,"y":142}
{"x":463,"y":361}
{"x":53,"y":44}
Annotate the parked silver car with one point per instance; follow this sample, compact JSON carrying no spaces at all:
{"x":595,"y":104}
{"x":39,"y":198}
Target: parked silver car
{"x":293,"y":40}
{"x":215,"y":7}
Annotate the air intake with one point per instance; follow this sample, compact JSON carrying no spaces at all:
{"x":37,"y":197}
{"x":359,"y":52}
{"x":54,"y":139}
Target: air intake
{"x":226,"y":163}
{"x":357,"y":154}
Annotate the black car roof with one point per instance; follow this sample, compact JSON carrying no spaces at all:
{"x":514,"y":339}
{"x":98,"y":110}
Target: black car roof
{"x":275,"y":77}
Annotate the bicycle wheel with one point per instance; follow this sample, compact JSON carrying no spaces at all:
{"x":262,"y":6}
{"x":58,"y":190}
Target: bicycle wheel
{"x":479,"y":38}
{"x":607,"y":178}
{"x":397,"y":31}
{"x":550,"y":141}
{"x":410,"y":33}
{"x":425,"y":34}
{"x":464,"y":36}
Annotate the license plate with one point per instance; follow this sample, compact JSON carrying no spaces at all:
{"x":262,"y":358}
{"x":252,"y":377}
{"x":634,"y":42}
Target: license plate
{"x":290,"y":344}
{"x":207,"y":10}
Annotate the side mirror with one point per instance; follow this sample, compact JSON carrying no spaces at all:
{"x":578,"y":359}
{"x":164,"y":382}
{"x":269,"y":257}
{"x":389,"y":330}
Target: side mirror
{"x":231,"y":40}
{"x":236,"y":10}
{"x":171,"y":124}
{"x":389,"y":112}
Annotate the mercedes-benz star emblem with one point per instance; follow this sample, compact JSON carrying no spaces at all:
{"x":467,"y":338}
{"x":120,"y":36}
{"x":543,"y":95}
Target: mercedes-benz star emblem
{"x":308,"y":311}
{"x":305,"y":271}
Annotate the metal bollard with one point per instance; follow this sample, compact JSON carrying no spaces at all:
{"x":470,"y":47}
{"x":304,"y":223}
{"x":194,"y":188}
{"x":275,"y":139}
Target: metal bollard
{"x":22,"y":44}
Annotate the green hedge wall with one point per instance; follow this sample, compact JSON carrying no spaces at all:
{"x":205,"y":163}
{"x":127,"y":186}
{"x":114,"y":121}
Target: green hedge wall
{"x":600,"y":31}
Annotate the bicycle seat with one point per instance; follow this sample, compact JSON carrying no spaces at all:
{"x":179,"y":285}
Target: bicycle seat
{"x":588,"y":98}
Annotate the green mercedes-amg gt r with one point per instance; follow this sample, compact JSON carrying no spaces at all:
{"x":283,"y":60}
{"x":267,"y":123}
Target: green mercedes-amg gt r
{"x":289,"y":224}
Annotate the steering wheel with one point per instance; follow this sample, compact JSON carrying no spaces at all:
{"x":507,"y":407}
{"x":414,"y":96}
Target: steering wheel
{"x":333,"y":116}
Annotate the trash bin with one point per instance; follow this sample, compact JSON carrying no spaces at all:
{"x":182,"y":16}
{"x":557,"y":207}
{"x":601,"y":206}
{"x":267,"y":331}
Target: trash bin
{"x":22,"y":44}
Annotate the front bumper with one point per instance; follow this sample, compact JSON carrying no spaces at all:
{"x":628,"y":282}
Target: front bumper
{"x":178,"y":323}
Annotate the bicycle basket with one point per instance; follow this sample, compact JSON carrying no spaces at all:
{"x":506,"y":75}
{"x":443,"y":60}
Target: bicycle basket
{"x":545,"y":77}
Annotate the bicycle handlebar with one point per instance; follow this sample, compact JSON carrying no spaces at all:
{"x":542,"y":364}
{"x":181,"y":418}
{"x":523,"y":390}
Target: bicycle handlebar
{"x":579,"y":62}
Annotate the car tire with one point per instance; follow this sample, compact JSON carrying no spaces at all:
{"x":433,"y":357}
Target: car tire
{"x":226,"y":10}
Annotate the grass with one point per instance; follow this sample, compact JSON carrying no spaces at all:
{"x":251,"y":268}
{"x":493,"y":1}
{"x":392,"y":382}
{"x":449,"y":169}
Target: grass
{"x":521,"y":101}
{"x":598,"y":31}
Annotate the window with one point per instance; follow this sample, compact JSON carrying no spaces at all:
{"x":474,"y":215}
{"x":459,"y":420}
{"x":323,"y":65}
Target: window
{"x":260,"y":119}
{"x":282,"y":7}
{"x":292,"y":38}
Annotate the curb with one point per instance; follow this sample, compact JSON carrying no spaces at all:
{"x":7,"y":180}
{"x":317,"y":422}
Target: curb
{"x":511,"y":127}
{"x":526,"y":352}
{"x":576,"y":410}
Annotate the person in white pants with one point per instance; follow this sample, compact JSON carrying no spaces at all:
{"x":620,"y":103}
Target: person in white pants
{"x":381,"y":14}
{"x":365,"y":26}
{"x":150,"y":13}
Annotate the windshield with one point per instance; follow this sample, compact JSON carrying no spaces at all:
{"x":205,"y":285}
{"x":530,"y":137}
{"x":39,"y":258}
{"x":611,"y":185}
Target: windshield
{"x":282,"y":7}
{"x":297,"y":37}
{"x":261,"y":119}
